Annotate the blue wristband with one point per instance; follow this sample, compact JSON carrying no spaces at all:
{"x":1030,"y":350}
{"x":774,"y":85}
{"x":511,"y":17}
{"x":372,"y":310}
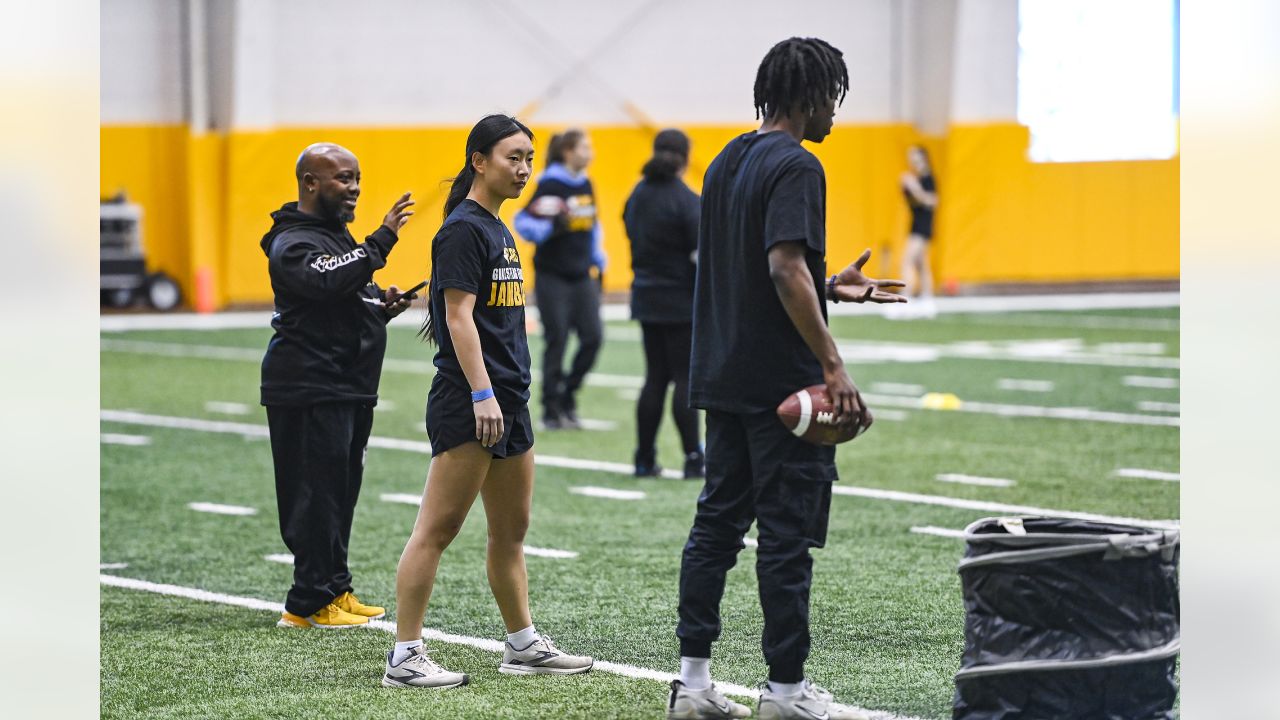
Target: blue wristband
{"x":478,"y":395}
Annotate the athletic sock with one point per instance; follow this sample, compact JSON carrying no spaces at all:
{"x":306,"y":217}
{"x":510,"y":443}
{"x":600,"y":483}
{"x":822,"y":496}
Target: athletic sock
{"x":695,"y":673}
{"x":402,"y":650}
{"x":522,"y":639}
{"x":785,"y":689}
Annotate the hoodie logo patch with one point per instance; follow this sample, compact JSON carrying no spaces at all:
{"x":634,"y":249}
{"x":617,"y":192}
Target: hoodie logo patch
{"x":325,"y":263}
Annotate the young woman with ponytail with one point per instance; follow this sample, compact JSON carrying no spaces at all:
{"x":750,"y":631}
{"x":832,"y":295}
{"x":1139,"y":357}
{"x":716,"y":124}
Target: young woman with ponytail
{"x":477,"y":413}
{"x":561,"y":220}
{"x":661,"y":216}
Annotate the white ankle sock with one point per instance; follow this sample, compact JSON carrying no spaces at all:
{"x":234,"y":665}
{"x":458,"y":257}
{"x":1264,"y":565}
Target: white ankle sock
{"x":785,"y":689}
{"x":695,"y":673}
{"x":402,"y":650}
{"x":522,"y":639}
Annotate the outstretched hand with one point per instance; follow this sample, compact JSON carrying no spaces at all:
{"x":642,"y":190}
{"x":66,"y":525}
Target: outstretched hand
{"x":852,"y":286}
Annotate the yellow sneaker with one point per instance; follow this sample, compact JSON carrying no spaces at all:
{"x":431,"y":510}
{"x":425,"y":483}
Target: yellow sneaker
{"x":350,"y":603}
{"x":329,"y":617}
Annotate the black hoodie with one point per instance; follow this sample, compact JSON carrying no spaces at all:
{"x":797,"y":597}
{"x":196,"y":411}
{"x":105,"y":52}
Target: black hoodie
{"x":330,"y":324}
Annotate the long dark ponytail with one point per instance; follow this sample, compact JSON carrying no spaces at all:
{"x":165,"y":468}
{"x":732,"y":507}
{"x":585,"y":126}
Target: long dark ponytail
{"x":670,"y":155}
{"x":483,"y":136}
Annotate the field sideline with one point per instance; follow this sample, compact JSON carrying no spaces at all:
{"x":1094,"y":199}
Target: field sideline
{"x":978,"y":413}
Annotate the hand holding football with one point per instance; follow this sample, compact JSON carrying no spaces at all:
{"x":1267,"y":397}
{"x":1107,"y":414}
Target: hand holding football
{"x":810,"y":415}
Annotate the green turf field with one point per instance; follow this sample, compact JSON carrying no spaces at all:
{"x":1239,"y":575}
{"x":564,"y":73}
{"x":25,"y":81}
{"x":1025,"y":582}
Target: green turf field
{"x":887,"y":616}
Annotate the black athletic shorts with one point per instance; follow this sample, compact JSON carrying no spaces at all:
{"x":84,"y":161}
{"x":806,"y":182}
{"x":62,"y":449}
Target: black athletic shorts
{"x":451,"y":422}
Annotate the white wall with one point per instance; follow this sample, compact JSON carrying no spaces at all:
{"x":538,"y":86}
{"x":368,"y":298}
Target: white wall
{"x":408,"y":62}
{"x":142,"y":67}
{"x":985,"y":61}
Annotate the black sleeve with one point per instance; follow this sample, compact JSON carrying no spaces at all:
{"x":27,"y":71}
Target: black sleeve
{"x":302,"y":265}
{"x":690,"y":220}
{"x":458,"y":254}
{"x":794,"y":212}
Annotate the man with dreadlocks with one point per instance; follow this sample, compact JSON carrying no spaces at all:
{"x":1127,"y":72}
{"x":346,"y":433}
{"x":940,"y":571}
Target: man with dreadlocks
{"x":760,"y":334}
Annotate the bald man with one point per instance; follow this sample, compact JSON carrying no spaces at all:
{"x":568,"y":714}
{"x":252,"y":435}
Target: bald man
{"x":320,"y":376}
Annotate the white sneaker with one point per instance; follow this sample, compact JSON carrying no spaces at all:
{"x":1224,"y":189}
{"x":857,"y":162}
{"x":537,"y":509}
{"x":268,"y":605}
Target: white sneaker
{"x":541,"y":657}
{"x":420,"y":671}
{"x":813,"y":703}
{"x":705,"y":704}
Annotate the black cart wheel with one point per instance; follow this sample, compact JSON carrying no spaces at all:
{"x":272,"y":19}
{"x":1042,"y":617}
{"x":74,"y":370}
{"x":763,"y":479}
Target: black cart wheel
{"x":118,"y":297}
{"x":162,"y":292}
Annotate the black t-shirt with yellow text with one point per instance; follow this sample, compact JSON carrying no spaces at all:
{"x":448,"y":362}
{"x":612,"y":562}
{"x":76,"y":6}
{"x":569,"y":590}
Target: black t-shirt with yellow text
{"x":474,"y":252}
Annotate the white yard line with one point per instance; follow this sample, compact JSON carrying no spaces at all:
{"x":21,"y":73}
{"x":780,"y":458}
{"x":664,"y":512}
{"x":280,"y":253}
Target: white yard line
{"x":282,"y":558}
{"x":486,"y":644}
{"x":621,"y":311}
{"x":122,"y":439}
{"x":939,"y":531}
{"x":405,"y":498}
{"x":994,"y":507}
{"x":1147,"y":381}
{"x":889,"y":414}
{"x":226,"y":408}
{"x":893,"y":388}
{"x":220,"y":509}
{"x":1148,"y":474}
{"x":1009,"y":410}
{"x":1024,"y":385}
{"x":1154,"y":406}
{"x":974,"y":480}
{"x":631,"y":381}
{"x":112,"y":566}
{"x":597,"y":425}
{"x":131,"y":417}
{"x":549,"y":553}
{"x":751,"y":542}
{"x":608,"y":493}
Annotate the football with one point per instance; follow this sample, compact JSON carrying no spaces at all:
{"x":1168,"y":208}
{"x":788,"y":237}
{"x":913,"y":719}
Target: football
{"x":548,"y":206}
{"x":810,"y":415}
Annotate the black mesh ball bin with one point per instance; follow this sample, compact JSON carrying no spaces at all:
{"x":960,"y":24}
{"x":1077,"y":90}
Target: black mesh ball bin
{"x":1068,"y":619}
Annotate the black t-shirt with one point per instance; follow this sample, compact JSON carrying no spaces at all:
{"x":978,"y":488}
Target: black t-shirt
{"x":761,"y":190}
{"x":473,"y":251}
{"x":567,"y":252}
{"x":921,"y":214}
{"x":662,"y":223}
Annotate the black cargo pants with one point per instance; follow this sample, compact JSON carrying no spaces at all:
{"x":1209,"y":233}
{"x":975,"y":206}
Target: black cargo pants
{"x":757,"y":470}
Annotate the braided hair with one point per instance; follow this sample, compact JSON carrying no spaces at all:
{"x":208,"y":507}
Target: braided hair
{"x":799,"y":74}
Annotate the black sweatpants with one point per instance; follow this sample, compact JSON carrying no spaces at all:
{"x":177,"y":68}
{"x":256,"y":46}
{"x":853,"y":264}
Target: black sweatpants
{"x":666,"y":360}
{"x":318,"y":451}
{"x":566,"y":305}
{"x":757,"y":470}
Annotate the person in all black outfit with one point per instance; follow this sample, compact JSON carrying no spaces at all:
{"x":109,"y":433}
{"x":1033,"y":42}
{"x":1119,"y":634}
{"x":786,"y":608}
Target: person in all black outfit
{"x":320,"y":376}
{"x":561,"y":220}
{"x":477,"y":413}
{"x":921,"y":193}
{"x":760,"y":334}
{"x":661,"y":217}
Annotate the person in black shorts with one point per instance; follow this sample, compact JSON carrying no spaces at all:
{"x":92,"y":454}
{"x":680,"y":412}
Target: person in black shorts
{"x":921,"y":193}
{"x":477,"y":413}
{"x":760,"y":334}
{"x":661,"y":217}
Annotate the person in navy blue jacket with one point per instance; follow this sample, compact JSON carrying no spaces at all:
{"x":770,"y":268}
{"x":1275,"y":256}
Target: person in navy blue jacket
{"x":561,"y":220}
